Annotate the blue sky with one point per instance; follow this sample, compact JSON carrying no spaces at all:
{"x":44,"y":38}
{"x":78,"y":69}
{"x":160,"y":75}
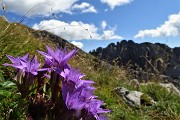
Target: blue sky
{"x":93,"y":23}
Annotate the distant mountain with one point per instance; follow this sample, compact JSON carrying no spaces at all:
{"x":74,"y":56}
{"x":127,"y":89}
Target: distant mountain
{"x":155,"y":58}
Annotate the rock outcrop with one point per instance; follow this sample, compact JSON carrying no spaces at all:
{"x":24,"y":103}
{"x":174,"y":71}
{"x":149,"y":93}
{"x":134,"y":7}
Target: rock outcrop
{"x":144,"y":60}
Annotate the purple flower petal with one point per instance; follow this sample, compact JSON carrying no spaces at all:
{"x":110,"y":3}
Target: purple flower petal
{"x":45,"y":54}
{"x":69,"y":55}
{"x":25,"y":57}
{"x":12,"y":59}
{"x":57,"y":59}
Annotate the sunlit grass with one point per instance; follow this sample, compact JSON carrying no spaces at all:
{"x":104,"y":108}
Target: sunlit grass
{"x":18,"y":40}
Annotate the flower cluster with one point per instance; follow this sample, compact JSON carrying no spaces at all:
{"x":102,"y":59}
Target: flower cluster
{"x":27,"y":70}
{"x":71,"y":97}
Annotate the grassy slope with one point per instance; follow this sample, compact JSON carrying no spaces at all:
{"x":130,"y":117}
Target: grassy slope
{"x":16,"y":39}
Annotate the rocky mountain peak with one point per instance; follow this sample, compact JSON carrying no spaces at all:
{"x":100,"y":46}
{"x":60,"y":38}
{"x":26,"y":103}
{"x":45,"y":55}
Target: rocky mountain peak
{"x":155,"y":58}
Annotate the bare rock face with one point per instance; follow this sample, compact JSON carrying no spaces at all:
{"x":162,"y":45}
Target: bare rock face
{"x":145,"y":57}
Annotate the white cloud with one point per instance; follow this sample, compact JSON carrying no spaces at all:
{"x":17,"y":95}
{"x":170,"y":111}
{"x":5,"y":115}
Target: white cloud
{"x":110,"y":34}
{"x":81,"y":6}
{"x":84,"y":7}
{"x":45,"y":7}
{"x":90,"y":9}
{"x":171,"y":27}
{"x":76,"y":30}
{"x":114,"y":3}
{"x":103,"y":24}
{"x":78,"y":44}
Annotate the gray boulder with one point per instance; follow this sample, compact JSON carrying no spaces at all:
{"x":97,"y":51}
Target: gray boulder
{"x":134,"y":98}
{"x":170,"y":87}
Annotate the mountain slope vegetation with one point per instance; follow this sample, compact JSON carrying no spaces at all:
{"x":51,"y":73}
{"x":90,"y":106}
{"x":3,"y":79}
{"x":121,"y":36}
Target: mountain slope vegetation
{"x":17,"y":39}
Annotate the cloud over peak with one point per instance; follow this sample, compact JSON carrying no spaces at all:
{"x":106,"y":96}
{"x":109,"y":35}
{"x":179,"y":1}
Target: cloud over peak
{"x":171,"y":27}
{"x":78,"y":44}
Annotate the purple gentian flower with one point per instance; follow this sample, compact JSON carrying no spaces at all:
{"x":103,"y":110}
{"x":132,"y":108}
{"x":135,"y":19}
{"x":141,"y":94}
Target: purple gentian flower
{"x":93,"y":108}
{"x":27,"y":70}
{"x":77,"y":100}
{"x":57,"y":58}
{"x":72,"y":81}
{"x":24,"y":64}
{"x":72,"y":75}
{"x":32,"y":66}
{"x":16,"y":60}
{"x":77,"y":94}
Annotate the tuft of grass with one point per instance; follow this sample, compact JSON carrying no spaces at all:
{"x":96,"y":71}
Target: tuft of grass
{"x":168,"y":104}
{"x":11,"y":105}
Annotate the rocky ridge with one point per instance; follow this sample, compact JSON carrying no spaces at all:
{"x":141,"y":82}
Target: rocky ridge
{"x":145,"y":61}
